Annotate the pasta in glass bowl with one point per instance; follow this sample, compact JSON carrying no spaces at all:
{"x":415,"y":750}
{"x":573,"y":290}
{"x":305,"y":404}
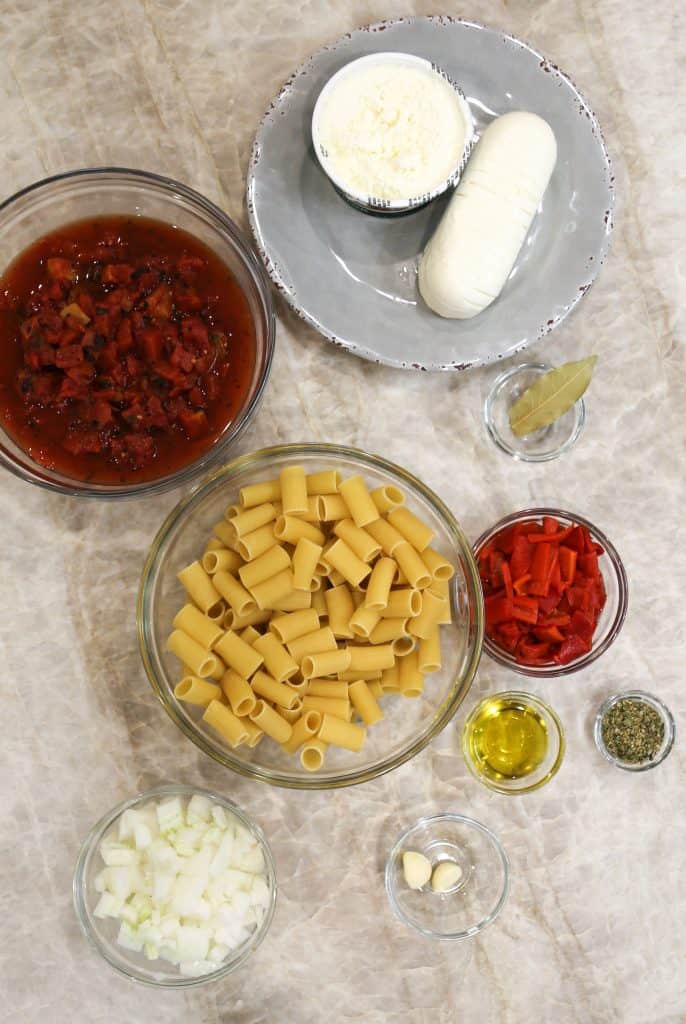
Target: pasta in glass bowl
{"x":201,"y":683}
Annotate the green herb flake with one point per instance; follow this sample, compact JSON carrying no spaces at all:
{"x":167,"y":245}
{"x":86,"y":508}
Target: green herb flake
{"x":633,"y":731}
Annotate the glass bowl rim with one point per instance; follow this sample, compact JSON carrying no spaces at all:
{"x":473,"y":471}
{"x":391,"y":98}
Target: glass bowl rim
{"x":517,"y":453}
{"x":646,"y":698}
{"x":530,"y":698}
{"x":97,"y":832}
{"x":462,"y":819}
{"x":554,"y":671}
{"x":261,"y":458}
{"x":248,"y":255}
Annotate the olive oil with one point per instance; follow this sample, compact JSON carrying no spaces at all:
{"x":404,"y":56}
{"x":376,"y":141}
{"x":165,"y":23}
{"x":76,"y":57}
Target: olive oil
{"x":508,"y":739}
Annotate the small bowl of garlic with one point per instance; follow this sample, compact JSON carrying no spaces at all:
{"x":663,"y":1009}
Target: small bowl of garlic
{"x":447,"y":877}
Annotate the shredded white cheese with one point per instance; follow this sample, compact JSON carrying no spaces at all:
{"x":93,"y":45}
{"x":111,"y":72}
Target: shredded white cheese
{"x":393,"y":131}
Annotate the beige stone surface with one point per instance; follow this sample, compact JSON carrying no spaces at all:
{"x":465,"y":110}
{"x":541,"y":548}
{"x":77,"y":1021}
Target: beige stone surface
{"x":593,"y":928}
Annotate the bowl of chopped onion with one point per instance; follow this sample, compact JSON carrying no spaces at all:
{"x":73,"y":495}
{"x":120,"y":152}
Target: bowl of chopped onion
{"x":175,"y":887}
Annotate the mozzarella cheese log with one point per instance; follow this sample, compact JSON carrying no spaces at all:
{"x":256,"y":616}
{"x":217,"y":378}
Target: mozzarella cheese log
{"x":470,"y":256}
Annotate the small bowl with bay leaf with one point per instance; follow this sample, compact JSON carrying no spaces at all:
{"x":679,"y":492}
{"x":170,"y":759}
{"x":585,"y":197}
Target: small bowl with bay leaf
{"x":534,"y":412}
{"x":634,"y":730}
{"x":555,"y":591}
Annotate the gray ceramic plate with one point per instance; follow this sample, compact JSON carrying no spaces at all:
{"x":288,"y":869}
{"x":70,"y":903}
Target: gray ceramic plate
{"x":353,"y":276}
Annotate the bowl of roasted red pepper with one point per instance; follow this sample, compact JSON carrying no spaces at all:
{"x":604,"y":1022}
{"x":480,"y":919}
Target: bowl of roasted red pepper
{"x":555,"y":591}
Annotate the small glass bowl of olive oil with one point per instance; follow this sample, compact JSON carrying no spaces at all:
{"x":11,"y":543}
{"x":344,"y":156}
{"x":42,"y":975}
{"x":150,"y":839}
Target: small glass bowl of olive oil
{"x":513,"y":742}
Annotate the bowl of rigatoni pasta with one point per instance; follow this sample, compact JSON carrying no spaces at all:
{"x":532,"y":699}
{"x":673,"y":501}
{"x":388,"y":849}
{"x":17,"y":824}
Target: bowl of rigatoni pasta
{"x":311,"y":616}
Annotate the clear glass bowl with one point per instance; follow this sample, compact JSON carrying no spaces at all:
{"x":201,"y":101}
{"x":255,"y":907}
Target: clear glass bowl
{"x":101,"y":191}
{"x":480,"y":893}
{"x":612,"y":616}
{"x":409,"y":724}
{"x":102,"y":932}
{"x":542,"y":445}
{"x":554,"y":754}
{"x":667,"y":720}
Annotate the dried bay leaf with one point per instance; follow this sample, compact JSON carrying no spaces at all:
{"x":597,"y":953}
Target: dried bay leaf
{"x":551,"y":396}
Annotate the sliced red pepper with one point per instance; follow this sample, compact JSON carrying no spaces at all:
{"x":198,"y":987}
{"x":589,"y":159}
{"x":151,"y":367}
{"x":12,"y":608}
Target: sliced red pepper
{"x":548,"y":634}
{"x":555,"y":620}
{"x":549,"y":538}
{"x":555,"y":579}
{"x":567,"y":559}
{"x":520,"y":586}
{"x":522,"y":554}
{"x":583,"y":626}
{"x":572,"y":648}
{"x":541,"y":563}
{"x":497,"y":609}
{"x":532,"y":652}
{"x":507,"y":580}
{"x":577,"y":540}
{"x":543,"y":597}
{"x":588,"y":564}
{"x":525,"y":609}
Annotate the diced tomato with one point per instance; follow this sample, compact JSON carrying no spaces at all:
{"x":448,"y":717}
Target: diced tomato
{"x":194,"y":423}
{"x":152,"y":343}
{"x":188,"y":265}
{"x":159,"y":303}
{"x":102,"y":412}
{"x":124,"y":336}
{"x":60,"y":269}
{"x":70,"y":355}
{"x":117,"y":273}
{"x":194,"y":333}
{"x":79,"y":442}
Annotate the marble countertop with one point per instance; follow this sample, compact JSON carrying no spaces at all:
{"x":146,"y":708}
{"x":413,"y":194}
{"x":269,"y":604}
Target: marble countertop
{"x":593,"y":928}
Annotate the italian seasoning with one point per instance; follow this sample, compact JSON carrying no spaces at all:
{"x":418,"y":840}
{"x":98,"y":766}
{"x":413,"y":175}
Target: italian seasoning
{"x":633,"y":730}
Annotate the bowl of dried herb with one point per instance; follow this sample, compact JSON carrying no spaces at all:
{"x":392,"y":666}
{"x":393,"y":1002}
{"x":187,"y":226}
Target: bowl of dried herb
{"x":634,"y":730}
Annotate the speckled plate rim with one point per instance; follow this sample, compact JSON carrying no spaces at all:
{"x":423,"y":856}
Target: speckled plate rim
{"x":355,"y":347}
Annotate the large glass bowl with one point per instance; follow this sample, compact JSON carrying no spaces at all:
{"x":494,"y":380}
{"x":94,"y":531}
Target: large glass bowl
{"x":409,"y":723}
{"x":612,"y":616}
{"x":102,"y":932}
{"x":79,"y":195}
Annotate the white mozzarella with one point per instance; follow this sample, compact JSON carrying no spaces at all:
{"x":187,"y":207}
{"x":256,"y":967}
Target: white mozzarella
{"x":471,"y":254}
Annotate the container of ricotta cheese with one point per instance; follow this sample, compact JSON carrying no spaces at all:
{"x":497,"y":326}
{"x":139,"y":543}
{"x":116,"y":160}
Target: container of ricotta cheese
{"x":392,"y":131}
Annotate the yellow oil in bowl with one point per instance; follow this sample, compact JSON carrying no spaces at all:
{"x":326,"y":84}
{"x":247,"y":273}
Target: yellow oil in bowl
{"x":507,"y":739}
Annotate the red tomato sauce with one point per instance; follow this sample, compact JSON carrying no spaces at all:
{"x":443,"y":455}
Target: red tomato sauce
{"x":126,"y":348}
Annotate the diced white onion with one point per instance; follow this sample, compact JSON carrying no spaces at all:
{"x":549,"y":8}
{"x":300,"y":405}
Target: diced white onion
{"x":186,"y":881}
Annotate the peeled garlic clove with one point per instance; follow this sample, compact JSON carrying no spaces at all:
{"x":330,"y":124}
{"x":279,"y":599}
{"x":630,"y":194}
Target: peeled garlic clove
{"x":416,"y":869}
{"x":446,"y":875}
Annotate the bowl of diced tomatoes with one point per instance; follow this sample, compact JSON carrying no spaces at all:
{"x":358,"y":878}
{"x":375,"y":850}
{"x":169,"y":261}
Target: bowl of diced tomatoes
{"x":555,"y":591}
{"x":136,"y":333}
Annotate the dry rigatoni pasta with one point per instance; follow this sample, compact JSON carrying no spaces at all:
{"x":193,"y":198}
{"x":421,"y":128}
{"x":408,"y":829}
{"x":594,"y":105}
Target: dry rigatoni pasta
{"x":314,"y":600}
